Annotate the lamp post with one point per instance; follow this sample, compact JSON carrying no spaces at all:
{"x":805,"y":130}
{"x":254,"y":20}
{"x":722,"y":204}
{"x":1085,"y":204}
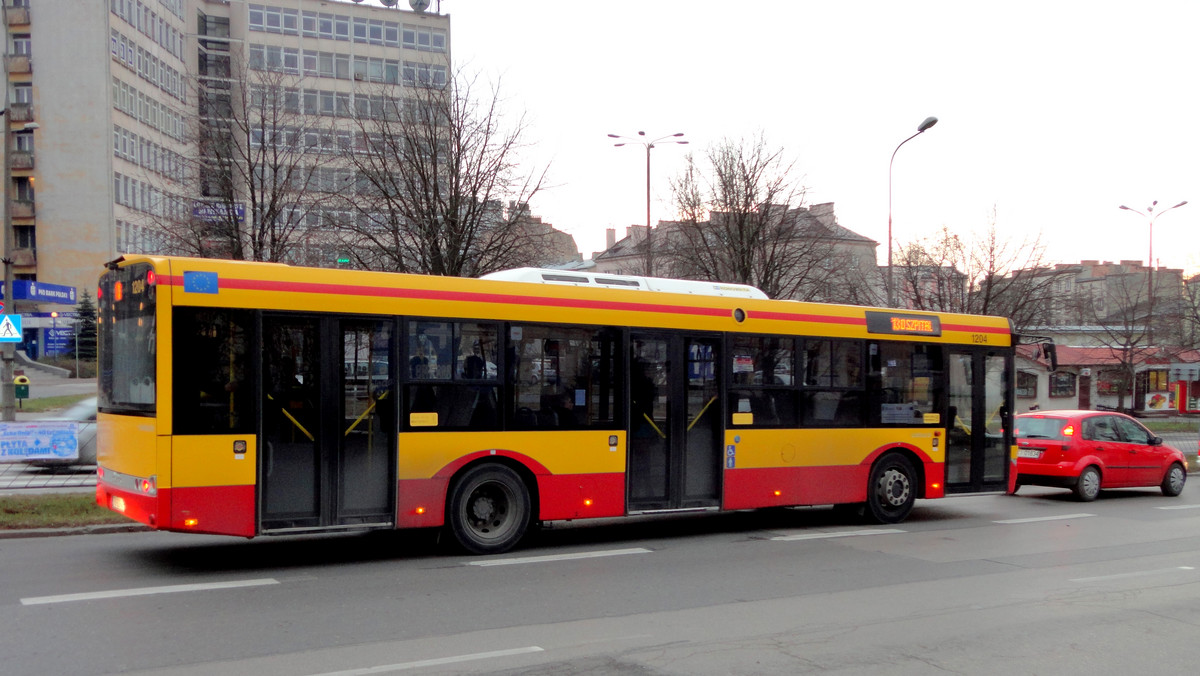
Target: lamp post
{"x":649,"y":145}
{"x":1149,"y":215}
{"x":891,"y":281}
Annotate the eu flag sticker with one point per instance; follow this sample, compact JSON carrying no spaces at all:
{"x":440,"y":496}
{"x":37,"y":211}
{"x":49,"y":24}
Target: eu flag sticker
{"x":200,"y":282}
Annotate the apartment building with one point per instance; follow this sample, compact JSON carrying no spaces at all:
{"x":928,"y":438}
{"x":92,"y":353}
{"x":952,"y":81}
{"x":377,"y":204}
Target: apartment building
{"x":107,"y":100}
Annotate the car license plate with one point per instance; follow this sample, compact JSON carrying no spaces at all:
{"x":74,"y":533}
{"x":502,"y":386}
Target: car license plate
{"x":1029,"y":453}
{"x":118,"y":504}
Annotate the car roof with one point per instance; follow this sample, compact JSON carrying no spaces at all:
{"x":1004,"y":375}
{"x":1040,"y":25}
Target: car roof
{"x":1071,"y":413}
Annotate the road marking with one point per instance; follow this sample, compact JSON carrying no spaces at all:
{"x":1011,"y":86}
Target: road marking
{"x":384,"y":668}
{"x":1046,"y":518}
{"x":1121,"y":576}
{"x":146,"y":591}
{"x":1180,"y":507}
{"x":557,"y":557}
{"x":842,"y":534}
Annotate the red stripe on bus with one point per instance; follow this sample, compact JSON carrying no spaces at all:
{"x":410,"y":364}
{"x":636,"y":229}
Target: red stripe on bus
{"x":460,"y":296}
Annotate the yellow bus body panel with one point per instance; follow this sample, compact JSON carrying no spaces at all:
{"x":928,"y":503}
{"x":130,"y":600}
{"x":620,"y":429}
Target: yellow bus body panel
{"x":130,"y":445}
{"x":209,"y":460}
{"x":767,"y":448}
{"x":424,"y":454}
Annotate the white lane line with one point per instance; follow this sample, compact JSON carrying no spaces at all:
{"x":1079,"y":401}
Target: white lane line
{"x":1140,"y":573}
{"x":1046,"y":518}
{"x":842,"y":534}
{"x":146,"y":591}
{"x":400,"y":666}
{"x":557,"y":557}
{"x":1180,"y":507}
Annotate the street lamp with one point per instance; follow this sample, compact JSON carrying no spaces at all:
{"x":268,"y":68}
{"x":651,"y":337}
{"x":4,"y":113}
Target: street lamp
{"x":891,"y":282}
{"x":649,"y":145}
{"x":1149,"y":215}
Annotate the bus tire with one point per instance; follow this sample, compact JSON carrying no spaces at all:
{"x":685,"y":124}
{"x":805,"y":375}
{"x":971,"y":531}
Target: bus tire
{"x":489,"y":509}
{"x":892,"y":489}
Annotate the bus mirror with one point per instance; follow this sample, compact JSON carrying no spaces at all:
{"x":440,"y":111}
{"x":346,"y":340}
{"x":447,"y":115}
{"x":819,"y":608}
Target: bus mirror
{"x":1051,"y":352}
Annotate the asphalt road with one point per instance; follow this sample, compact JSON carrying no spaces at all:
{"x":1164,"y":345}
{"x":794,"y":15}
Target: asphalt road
{"x":992,"y":584}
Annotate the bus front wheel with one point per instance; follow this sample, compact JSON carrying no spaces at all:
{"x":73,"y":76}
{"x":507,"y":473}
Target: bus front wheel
{"x":489,"y":509}
{"x":892,"y":490}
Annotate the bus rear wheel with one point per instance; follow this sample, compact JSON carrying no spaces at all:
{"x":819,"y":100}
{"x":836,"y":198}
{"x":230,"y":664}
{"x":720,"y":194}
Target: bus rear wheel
{"x":489,"y":509}
{"x":892,"y":490}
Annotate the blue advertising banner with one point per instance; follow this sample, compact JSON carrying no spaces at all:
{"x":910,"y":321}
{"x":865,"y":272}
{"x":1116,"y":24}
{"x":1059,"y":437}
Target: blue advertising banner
{"x":39,"y":440}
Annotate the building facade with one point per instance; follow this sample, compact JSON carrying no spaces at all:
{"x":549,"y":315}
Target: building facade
{"x":104,"y":137}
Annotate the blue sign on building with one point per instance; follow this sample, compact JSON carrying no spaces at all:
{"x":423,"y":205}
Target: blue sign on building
{"x":23,"y":289}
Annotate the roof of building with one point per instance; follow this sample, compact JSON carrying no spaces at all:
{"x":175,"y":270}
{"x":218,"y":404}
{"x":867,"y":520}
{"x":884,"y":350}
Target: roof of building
{"x":1109,"y":356}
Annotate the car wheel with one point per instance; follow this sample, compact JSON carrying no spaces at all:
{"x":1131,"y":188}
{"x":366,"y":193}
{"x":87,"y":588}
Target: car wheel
{"x":1173,"y":480}
{"x":1088,"y":485}
{"x":892,"y":490}
{"x":489,"y":509}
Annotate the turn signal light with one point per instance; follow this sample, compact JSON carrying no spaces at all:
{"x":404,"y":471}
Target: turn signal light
{"x":778,"y":493}
{"x":587,"y":502}
{"x":420,"y":510}
{"x":191,"y":523}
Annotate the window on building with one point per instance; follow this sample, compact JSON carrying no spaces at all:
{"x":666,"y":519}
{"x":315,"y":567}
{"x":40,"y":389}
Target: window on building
{"x":1062,"y":384}
{"x":1113,"y":382}
{"x":25,"y":236}
{"x":22,"y":45}
{"x":1026,"y":384}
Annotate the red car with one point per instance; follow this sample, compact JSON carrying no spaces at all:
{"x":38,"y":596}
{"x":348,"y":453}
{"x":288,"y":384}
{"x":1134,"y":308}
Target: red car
{"x":1089,"y":450}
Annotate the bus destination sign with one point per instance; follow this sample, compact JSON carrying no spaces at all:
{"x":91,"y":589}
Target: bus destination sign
{"x":903,"y":324}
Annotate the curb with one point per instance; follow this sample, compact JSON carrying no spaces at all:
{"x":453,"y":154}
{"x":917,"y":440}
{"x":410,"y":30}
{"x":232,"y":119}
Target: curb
{"x":80,"y":530}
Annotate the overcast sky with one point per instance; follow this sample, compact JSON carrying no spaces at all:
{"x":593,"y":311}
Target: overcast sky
{"x":1052,"y":113}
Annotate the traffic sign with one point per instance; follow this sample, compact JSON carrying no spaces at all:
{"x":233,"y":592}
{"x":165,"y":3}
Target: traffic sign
{"x":10,"y":329}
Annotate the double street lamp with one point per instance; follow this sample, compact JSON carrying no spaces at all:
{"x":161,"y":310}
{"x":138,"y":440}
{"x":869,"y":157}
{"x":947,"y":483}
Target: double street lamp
{"x":649,"y":145}
{"x":891,"y":279}
{"x":1149,"y":215}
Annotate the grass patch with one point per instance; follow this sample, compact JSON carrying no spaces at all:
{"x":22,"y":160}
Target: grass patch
{"x":60,"y":510}
{"x":44,"y":404}
{"x":1172,"y":425}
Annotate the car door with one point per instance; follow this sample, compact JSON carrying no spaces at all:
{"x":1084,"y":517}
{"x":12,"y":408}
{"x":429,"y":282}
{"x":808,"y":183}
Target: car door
{"x":1146,"y":461}
{"x":1102,"y":440}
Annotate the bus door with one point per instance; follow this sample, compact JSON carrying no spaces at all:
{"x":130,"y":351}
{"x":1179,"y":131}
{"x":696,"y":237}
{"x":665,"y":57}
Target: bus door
{"x":675,"y":427}
{"x":328,"y":428}
{"x":978,"y":426}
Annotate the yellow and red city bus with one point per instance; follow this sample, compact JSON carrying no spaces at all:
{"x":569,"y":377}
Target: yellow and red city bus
{"x":252,"y":399}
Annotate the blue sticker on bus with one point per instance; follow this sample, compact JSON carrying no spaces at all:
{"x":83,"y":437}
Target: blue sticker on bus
{"x":200,"y":282}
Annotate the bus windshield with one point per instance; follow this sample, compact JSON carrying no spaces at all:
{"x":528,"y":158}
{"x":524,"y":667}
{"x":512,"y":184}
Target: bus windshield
{"x":126,"y":332}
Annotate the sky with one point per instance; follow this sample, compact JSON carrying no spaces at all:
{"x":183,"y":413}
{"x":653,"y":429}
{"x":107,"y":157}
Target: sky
{"x":1051,"y":114}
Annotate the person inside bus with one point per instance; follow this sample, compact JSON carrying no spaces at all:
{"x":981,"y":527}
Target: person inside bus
{"x":564,"y":411}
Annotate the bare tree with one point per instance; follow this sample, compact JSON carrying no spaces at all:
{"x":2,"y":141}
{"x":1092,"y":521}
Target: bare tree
{"x":259,"y":154}
{"x":741,"y":220}
{"x":988,"y":275}
{"x":439,"y":186}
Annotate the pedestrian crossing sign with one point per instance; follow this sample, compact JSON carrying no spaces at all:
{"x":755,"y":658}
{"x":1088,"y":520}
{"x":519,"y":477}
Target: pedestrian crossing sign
{"x":10,"y":329}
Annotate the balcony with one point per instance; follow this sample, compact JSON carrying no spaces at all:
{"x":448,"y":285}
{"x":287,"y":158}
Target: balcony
{"x":22,"y":209}
{"x":20,"y":112}
{"x":19,"y":64}
{"x":25,"y":257}
{"x":21,"y":159}
{"x":18,"y":16}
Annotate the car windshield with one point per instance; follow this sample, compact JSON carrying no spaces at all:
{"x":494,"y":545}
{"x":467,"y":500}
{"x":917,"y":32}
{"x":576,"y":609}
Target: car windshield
{"x":1041,"y":428}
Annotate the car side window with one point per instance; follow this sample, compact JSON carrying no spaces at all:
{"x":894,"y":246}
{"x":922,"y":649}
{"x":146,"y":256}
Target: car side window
{"x":1100,"y":428}
{"x":1133,"y":432}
